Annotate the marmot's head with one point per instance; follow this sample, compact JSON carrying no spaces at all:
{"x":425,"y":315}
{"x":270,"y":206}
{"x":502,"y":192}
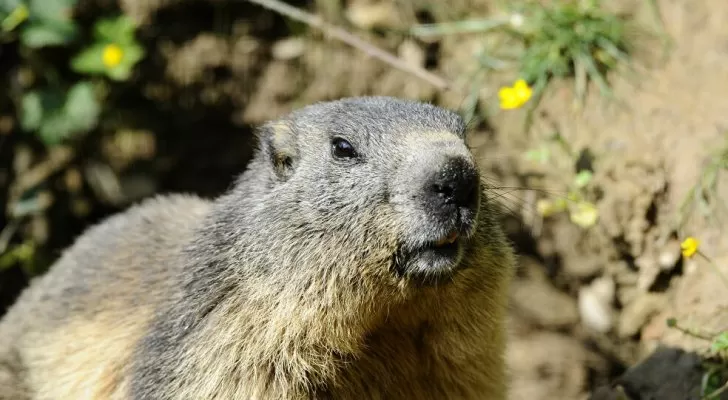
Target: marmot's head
{"x":374,"y":171}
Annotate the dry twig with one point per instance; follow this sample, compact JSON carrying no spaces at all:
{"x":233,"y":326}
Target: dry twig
{"x":57,"y":159}
{"x":354,"y":41}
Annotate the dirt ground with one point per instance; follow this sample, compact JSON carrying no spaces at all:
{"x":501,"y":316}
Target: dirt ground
{"x":587,"y":303}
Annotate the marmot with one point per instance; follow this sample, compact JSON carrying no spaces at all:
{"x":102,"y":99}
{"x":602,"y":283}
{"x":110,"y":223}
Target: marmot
{"x":357,"y":257}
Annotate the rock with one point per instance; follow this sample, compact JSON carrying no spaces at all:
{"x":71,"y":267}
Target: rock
{"x":411,"y":53}
{"x":699,"y":302}
{"x":537,"y":300}
{"x":656,"y":260}
{"x":288,"y":48}
{"x":595,"y":304}
{"x":655,"y":328}
{"x":637,"y":313}
{"x":547,"y":366}
{"x":586,"y":267}
{"x":648,"y":272}
{"x":543,"y":304}
{"x":669,"y":255}
{"x":668,"y":374}
{"x":367,"y":15}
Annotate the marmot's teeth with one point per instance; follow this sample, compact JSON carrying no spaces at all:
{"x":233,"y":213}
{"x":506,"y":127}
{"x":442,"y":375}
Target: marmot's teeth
{"x":452,"y":237}
{"x":449,"y":239}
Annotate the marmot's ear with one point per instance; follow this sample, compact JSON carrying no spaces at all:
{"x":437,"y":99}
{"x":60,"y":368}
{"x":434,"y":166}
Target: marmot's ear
{"x":278,"y":144}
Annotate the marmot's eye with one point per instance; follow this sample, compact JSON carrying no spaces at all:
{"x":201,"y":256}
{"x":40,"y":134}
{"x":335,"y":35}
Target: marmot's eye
{"x":342,"y":148}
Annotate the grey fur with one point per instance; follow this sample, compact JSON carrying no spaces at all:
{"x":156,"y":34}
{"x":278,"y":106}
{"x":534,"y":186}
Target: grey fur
{"x":292,"y":284}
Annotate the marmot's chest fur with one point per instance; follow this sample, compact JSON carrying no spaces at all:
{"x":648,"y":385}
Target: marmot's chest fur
{"x":356,"y":257}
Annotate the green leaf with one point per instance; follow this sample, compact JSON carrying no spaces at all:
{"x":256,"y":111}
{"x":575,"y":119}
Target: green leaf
{"x":48,"y":33}
{"x":12,"y":14}
{"x":55,"y":128}
{"x":540,"y":155}
{"x":19,"y":253}
{"x":583,"y":178}
{"x":52,"y":10}
{"x":82,"y":108}
{"x":8,"y":6}
{"x":90,"y":60}
{"x":720,"y":343}
{"x":55,"y":115}
{"x":119,"y":30}
{"x":119,"y":73}
{"x":35,"y":105}
{"x":133,"y":53}
{"x":31,"y":111}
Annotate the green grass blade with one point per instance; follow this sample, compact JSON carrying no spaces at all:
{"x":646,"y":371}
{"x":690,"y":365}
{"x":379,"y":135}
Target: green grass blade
{"x":450,"y":28}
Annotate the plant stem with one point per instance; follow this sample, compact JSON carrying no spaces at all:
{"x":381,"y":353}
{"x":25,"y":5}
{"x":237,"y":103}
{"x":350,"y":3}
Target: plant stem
{"x":717,"y":270}
{"x":717,"y":392}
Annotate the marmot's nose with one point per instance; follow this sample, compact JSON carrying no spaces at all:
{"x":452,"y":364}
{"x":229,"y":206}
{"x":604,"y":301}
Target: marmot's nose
{"x":455,"y":184}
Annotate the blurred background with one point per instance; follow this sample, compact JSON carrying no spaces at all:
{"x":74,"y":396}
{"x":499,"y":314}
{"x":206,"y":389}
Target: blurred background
{"x":602,"y":127}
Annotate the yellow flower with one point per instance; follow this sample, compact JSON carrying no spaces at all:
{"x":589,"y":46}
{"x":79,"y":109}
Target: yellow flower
{"x":112,"y":55}
{"x":584,"y":214}
{"x":544,"y":207}
{"x":515,"y":96}
{"x":547,"y":208}
{"x":689,"y":246}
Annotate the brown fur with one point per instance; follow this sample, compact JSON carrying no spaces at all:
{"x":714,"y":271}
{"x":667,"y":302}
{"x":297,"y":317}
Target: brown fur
{"x":170,"y":300}
{"x":72,"y":333}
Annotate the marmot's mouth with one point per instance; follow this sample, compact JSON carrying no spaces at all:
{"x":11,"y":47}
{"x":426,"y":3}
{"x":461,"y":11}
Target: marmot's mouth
{"x":447,"y":240}
{"x":434,"y":262}
{"x":442,"y":250}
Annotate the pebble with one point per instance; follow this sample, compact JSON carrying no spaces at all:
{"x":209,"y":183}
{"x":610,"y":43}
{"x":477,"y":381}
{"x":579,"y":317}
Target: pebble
{"x":595,"y":304}
{"x":544,"y":304}
{"x":635,"y":315}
